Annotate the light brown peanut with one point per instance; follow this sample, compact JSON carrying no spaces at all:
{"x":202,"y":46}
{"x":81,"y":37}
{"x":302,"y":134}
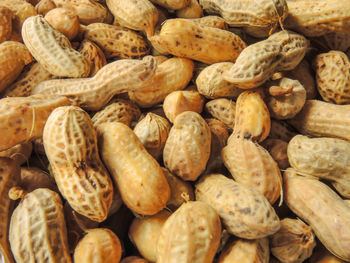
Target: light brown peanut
{"x":33,"y":178}
{"x":326,"y":158}
{"x":23,"y":118}
{"x":187,"y":148}
{"x":10,"y":177}
{"x":193,"y":10}
{"x":278,"y":151}
{"x":117,"y":41}
{"x":319,"y":118}
{"x":13,"y":57}
{"x":294,"y":242}
{"x":144,"y":234}
{"x":224,"y":110}
{"x":190,"y":235}
{"x":246,"y":251}
{"x":172,"y":4}
{"x":186,"y":38}
{"x":5,"y":23}
{"x":38,"y":229}
{"x":141,"y":182}
{"x":94,"y":54}
{"x":114,"y":78}
{"x":171,"y":75}
{"x":183,"y":100}
{"x":71,"y":146}
{"x":212,"y":21}
{"x":19,"y":153}
{"x":245,"y":213}
{"x":99,"y":245}
{"x":320,"y":207}
{"x":333,"y":76}
{"x":44,"y":6}
{"x":153,"y":131}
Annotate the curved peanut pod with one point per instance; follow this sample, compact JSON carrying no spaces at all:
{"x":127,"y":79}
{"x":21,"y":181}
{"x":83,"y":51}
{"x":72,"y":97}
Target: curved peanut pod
{"x":294,"y":242}
{"x":320,"y":207}
{"x":117,"y":41}
{"x":190,"y":235}
{"x":187,"y":148}
{"x":186,"y":38}
{"x":319,"y":118}
{"x":53,"y":50}
{"x":172,"y":4}
{"x":139,"y":15}
{"x":13,"y":57}
{"x":23,"y":118}
{"x":5,"y":23}
{"x":245,"y":212}
{"x":71,"y":146}
{"x":38,"y":229}
{"x":10,"y":177}
{"x":141,"y":182}
{"x":246,"y":251}
{"x":114,"y":78}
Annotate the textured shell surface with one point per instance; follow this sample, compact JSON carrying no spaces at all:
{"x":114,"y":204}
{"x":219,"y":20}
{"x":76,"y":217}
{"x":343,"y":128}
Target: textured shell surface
{"x":224,"y":110}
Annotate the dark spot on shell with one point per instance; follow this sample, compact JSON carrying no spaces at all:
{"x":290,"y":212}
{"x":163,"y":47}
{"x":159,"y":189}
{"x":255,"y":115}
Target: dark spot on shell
{"x":177,"y":43}
{"x":219,"y":194}
{"x":198,"y":36}
{"x":245,"y":210}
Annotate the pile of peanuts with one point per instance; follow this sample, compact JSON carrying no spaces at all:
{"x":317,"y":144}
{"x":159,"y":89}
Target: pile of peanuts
{"x":174,"y":131}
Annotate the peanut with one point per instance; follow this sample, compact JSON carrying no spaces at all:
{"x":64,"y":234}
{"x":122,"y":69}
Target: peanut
{"x":10,"y":176}
{"x":153,"y":132}
{"x":44,"y":6}
{"x":33,"y":178}
{"x":224,"y":110}
{"x":137,"y":174}
{"x":23,"y":118}
{"x":187,"y":148}
{"x":294,"y":242}
{"x":335,"y":41}
{"x":114,"y":78}
{"x":100,"y":245}
{"x":19,"y":153}
{"x":193,"y":10}
{"x":191,"y":234}
{"x":244,"y":212}
{"x":278,"y":150}
{"x":281,"y":130}
{"x":38,"y":229}
{"x":320,"y":207}
{"x":94,"y":54}
{"x":172,"y":4}
{"x":5,"y":23}
{"x":212,"y":21}
{"x":186,"y":38}
{"x":71,"y":146}
{"x":133,"y":259}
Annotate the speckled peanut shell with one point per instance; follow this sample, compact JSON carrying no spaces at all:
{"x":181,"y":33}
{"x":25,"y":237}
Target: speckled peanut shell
{"x":94,"y":54}
{"x":138,"y":176}
{"x":190,"y":235}
{"x":212,"y":21}
{"x":224,"y":110}
{"x":281,"y":130}
{"x":321,"y":208}
{"x":38,"y":229}
{"x":5,"y":23}
{"x":244,"y":212}
{"x":187,"y":148}
{"x":10,"y":177}
{"x":294,"y":242}
{"x":71,"y":146}
{"x":20,"y":153}
{"x":44,"y":6}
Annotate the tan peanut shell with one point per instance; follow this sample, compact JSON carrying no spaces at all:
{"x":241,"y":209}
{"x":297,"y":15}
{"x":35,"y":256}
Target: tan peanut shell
{"x":23,"y":118}
{"x":186,"y":38}
{"x":114,"y":78}
{"x":88,"y":11}
{"x":139,"y":15}
{"x":171,"y":75}
{"x":316,"y":19}
{"x":153,"y":131}
{"x":211,"y":84}
{"x":321,"y":208}
{"x":172,"y":4}
{"x":333,"y":76}
{"x":99,"y":245}
{"x":252,"y":166}
{"x":133,"y":259}
{"x":70,"y":143}
{"x":281,"y":130}
{"x":27,"y":80}
{"x":38,"y":229}
{"x":193,"y":10}
{"x":117,"y":41}
{"x":138,"y":176}
{"x":335,"y":41}
{"x":224,"y":110}
{"x":326,"y":158}
{"x":144,"y":233}
{"x":212,"y":21}
{"x":10,"y":177}
{"x":33,"y":178}
{"x":94,"y":54}
{"x":121,"y":110}
{"x":187,"y":148}
{"x":245,"y":213}
{"x":294,"y":242}
{"x":190,"y":235}
{"x":183,"y":100}
{"x":13,"y":57}
{"x":52,"y":49}
{"x":44,"y":6}
{"x":278,"y":151}
{"x":20,"y":153}
{"x":322,"y":119}
{"x":246,"y":251}
{"x":5,"y":23}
